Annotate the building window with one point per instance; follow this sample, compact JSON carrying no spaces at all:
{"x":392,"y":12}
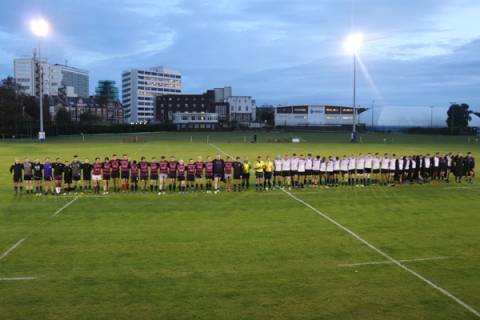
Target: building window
{"x":194,"y":105}
{"x":178,"y":105}
{"x":239,"y":108}
{"x":246,"y":108}
{"x":186,"y":105}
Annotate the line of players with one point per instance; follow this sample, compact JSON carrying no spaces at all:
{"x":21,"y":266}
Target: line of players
{"x":289,"y":172}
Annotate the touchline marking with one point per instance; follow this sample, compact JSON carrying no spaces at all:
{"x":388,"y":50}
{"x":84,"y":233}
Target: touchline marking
{"x":12,"y":279}
{"x":471,"y":188}
{"x":220,"y":150}
{"x":460,"y":302}
{"x":141,"y":149}
{"x":14,"y":246}
{"x":59,"y":210}
{"x":385,"y":262}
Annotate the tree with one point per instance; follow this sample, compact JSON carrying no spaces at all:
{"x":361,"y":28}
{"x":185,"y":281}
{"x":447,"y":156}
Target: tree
{"x":461,"y":115}
{"x":89,"y":117}
{"x":12,"y":101}
{"x":266,"y":113}
{"x":63,"y":115}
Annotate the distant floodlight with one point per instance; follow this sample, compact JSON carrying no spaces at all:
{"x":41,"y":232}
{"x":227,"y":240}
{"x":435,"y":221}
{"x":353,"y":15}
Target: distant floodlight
{"x":39,"y":27}
{"x":353,"y":42}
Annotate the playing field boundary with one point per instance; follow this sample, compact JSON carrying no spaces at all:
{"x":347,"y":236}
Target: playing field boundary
{"x":17,"y":279}
{"x":397,"y":262}
{"x":387,"y":262}
{"x":13,"y":247}
{"x":60,"y":210}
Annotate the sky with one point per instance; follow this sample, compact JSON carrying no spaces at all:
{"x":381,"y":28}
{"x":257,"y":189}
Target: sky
{"x":414,"y":53}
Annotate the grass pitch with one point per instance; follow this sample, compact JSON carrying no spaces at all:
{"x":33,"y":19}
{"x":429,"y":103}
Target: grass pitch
{"x":240,"y":256}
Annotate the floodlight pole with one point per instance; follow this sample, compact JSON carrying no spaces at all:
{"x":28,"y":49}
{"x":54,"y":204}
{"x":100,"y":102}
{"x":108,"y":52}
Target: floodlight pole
{"x":431,"y":116}
{"x":354,"y":95}
{"x":373,"y":108}
{"x":41,"y":85}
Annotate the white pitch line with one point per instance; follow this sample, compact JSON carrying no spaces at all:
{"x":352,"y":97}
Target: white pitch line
{"x":386,"y":262}
{"x":14,"y":246}
{"x":220,"y":150}
{"x":141,"y":148}
{"x":59,"y":210}
{"x":12,"y":279}
{"x":460,"y":302}
{"x":470,"y":188}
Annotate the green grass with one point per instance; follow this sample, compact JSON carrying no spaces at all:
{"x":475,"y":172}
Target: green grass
{"x":239,"y":256}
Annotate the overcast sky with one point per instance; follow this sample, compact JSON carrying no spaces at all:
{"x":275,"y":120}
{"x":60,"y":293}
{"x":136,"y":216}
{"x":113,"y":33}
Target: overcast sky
{"x":414,"y":53}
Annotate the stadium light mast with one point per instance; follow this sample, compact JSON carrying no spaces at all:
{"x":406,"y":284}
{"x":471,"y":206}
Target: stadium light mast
{"x":431,"y":116}
{"x":40,"y":29}
{"x":353,"y":44}
{"x":453,"y":107}
{"x":373,"y":103}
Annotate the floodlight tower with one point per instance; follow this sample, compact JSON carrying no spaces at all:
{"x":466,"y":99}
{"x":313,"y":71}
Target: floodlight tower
{"x":353,"y":44}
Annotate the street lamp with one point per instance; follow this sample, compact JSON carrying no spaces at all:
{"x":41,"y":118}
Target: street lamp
{"x":453,"y":104}
{"x":352,"y":44}
{"x":40,"y":29}
{"x":431,"y":116}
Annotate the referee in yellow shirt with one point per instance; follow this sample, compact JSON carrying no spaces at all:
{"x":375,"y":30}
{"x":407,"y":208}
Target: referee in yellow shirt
{"x":267,"y":183}
{"x":259,"y":166}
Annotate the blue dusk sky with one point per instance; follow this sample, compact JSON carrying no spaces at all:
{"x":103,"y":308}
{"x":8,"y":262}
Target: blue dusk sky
{"x":414,"y":53}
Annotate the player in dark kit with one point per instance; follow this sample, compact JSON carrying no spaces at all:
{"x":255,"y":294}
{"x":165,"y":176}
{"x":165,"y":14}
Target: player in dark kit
{"x":115,"y":165}
{"x":199,"y":166}
{"x":125,"y":168}
{"x":28,"y":175}
{"x":181,"y":176}
{"x":96,"y":175}
{"x":48,"y":175}
{"x":208,"y":174}
{"x":106,"y":169}
{"x":16,"y":171}
{"x":154,"y":174}
{"x":458,"y":167}
{"x":87,"y":175}
{"x":143,"y":167}
{"x":134,"y":177}
{"x":37,"y":176}
{"x":57,"y":175}
{"x":237,"y":175}
{"x":76,"y":174}
{"x":469,"y":167}
{"x":67,"y":178}
{"x":191,"y":168}
{"x":218,"y":172}
{"x":172,"y":173}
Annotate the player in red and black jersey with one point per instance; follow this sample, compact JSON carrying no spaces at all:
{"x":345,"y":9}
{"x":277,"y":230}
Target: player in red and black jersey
{"x":172,"y":173}
{"x":209,"y":174}
{"x":134,"y":177}
{"x":163,"y":166}
{"x":143,"y":166}
{"x":228,"y":173}
{"x":115,"y":163}
{"x":125,"y":168}
{"x":191,"y":168}
{"x":106,"y":168}
{"x":181,"y":176}
{"x":96,"y":175}
{"x":153,"y":174}
{"x":199,"y":166}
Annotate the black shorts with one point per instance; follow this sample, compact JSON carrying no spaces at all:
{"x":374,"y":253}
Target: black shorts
{"x":277,"y":173}
{"x":208,"y":176}
{"x":301,"y":173}
{"x":68,"y":180}
{"x":48,"y":178}
{"x":237,"y":177}
{"x":294,"y":173}
{"x":171,"y":176}
{"x":134,"y":179}
{"x":330,"y":173}
{"x":181,"y":178}
{"x":115,"y":174}
{"x":384,"y":171}
{"x":87,"y":178}
{"x":344,"y":172}
{"x":125,"y":175}
{"x":17,"y":179}
{"x":198,"y":176}
{"x":28,"y":177}
{"x":336,"y":171}
{"x":268,"y":175}
{"x":368,"y":170}
{"x":37,"y":178}
{"x":376,"y":171}
{"x":286,"y":173}
{"x":76,"y":178}
{"x":359,"y":171}
{"x":351,"y":171}
{"x":308,"y":172}
{"x":191,"y":178}
{"x":106,"y":177}
{"x":246,"y":176}
{"x":322,"y":172}
{"x":143,"y":177}
{"x":153,"y":177}
{"x":315,"y":172}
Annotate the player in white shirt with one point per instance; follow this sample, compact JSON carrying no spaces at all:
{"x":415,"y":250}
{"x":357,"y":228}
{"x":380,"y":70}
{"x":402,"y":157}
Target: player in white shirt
{"x":344,"y":170}
{"x":427,"y":167}
{"x":329,"y":172}
{"x":360,"y":170}
{"x":286,"y":171}
{"x":315,"y":171}
{"x":391,"y":170}
{"x":449,"y":166}
{"x":436,"y":168}
{"x":351,"y":170}
{"x":400,"y":170}
{"x":323,"y":172}
{"x":375,"y":169}
{"x":336,"y":170}
{"x":277,"y":172}
{"x":385,"y":166}
{"x":308,"y":170}
{"x":294,"y":169}
{"x":368,"y":168}
{"x":407,"y":166}
{"x":301,"y":172}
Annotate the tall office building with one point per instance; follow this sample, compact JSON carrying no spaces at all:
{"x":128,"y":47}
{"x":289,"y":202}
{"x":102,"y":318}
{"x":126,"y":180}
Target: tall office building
{"x":140,"y":87}
{"x":27,"y":72}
